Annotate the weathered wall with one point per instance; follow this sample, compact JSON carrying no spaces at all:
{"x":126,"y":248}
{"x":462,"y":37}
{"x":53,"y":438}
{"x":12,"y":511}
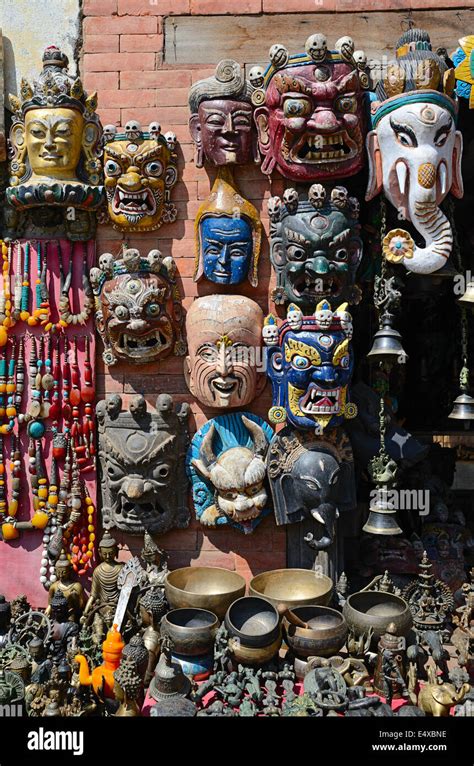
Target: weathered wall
{"x":31,"y":25}
{"x":142,"y":56}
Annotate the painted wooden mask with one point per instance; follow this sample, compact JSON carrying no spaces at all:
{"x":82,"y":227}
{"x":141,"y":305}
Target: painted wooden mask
{"x":310,"y":111}
{"x":310,"y":365}
{"x":142,"y":459}
{"x":140,"y":171}
{"x":315,"y":247}
{"x":224,"y":366}
{"x":228,"y":235}
{"x":56,"y":143}
{"x":415,"y":151}
{"x":221,"y":122}
{"x":138,"y":307}
{"x":226,"y":465}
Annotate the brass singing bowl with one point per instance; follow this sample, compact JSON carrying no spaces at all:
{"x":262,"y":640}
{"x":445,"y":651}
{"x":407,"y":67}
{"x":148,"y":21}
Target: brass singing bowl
{"x":376,"y":610}
{"x":251,"y":655}
{"x":292,"y":587}
{"x":254,"y":621}
{"x":192,"y":630}
{"x":325,"y":635}
{"x":208,"y":588}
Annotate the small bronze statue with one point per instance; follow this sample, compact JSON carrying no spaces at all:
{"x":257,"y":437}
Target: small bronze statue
{"x":152,"y":606}
{"x":127,"y":687}
{"x":390,"y":672}
{"x":72,"y":589}
{"x":155,"y":559}
{"x":104,"y":590}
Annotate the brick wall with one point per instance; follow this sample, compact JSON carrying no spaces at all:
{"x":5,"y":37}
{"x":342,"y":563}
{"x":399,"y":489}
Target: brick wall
{"x":123,"y":60}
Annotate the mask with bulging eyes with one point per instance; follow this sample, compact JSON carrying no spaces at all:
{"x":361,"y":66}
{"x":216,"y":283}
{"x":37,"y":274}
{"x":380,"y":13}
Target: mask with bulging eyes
{"x":143,"y":478}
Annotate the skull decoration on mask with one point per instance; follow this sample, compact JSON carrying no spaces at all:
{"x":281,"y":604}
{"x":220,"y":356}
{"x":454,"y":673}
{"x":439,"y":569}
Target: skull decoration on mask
{"x":56,"y":144}
{"x":139,"y":314}
{"x":310,"y":369}
{"x":140,"y":171}
{"x":228,"y":235}
{"x":224,"y":340}
{"x":415,"y":151}
{"x":311,"y":478}
{"x":315,"y":247}
{"x":226,"y":465}
{"x":310,"y":111}
{"x":221,"y":122}
{"x":142,"y":460}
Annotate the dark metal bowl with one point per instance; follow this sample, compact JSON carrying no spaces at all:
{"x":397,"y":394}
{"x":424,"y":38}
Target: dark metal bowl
{"x":376,"y":609}
{"x":192,"y":630}
{"x":325,"y":636}
{"x":209,"y":588}
{"x":293,"y":587}
{"x":254,"y":621}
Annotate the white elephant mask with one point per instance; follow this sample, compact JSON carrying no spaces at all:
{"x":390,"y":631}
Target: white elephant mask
{"x":415,"y":158}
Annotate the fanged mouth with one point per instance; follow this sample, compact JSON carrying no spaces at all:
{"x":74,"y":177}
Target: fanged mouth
{"x":316,"y":287}
{"x":136,"y":204}
{"x":153,"y":343}
{"x":321,"y":401}
{"x":139,"y":513}
{"x":318,"y":147}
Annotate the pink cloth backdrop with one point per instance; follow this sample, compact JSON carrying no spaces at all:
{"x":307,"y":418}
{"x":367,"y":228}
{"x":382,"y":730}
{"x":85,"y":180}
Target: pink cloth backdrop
{"x":20,"y":560}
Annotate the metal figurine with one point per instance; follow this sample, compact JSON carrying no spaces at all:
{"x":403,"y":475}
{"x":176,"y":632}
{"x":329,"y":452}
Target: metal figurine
{"x":390,"y":670}
{"x":142,"y":455}
{"x":127,"y":687}
{"x":139,"y":315}
{"x":104,"y":589}
{"x":140,"y":170}
{"x":56,"y":142}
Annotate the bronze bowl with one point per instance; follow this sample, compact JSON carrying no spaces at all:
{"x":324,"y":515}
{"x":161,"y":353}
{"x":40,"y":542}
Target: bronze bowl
{"x":254,"y":621}
{"x":292,"y":587}
{"x":191,"y":630}
{"x":208,"y":588}
{"x":324,"y":637}
{"x":376,"y":609}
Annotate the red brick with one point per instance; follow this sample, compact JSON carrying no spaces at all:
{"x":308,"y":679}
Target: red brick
{"x":165,"y":78}
{"x":109,"y":116}
{"x":153,"y":7}
{"x":99,"y":7}
{"x":179,"y":539}
{"x":101,"y":80}
{"x":115,"y":62}
{"x":101,"y":44}
{"x":120,"y":25}
{"x":298,"y":6}
{"x":236,"y":7}
{"x":141,"y":42}
{"x":122,"y":98}
{"x":170,"y":116}
{"x":173,"y":96}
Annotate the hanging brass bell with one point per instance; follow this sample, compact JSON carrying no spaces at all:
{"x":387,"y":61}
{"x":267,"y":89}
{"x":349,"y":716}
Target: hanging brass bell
{"x":463,"y":407}
{"x":387,"y":344}
{"x":467,"y":299}
{"x":382,"y":516}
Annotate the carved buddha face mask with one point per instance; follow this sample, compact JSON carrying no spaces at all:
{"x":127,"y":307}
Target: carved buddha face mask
{"x":310,"y":111}
{"x":139,"y":314}
{"x":226,"y":465}
{"x":140,"y":171}
{"x":56,"y":142}
{"x":315,"y":247}
{"x":224,"y":342}
{"x":142,"y":459}
{"x":415,"y":151}
{"x":228,"y":235}
{"x":310,"y":367}
{"x":221,"y":121}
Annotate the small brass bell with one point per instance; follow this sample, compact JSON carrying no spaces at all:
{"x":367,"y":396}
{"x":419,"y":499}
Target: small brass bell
{"x":467,"y":299}
{"x":382,"y":516}
{"x":387,"y":344}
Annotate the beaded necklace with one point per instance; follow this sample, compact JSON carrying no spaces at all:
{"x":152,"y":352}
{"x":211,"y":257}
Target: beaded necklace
{"x":67,"y":317}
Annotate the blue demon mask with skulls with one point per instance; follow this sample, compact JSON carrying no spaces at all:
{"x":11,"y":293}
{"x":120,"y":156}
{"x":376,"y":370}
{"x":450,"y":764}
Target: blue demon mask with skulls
{"x":310,"y":363}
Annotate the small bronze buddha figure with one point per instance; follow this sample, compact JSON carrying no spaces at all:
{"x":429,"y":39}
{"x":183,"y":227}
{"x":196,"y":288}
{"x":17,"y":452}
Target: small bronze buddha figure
{"x":72,"y":589}
{"x":155,"y":559}
{"x":152,"y":606}
{"x":5,"y":615}
{"x":104,"y":589}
